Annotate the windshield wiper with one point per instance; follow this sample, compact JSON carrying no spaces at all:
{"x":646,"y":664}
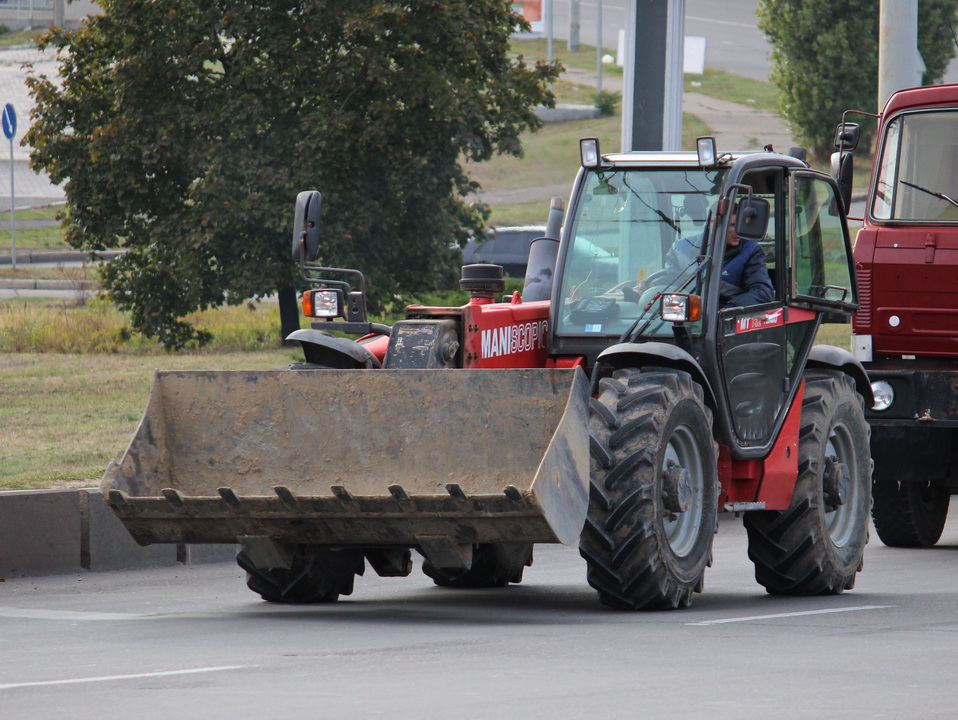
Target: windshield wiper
{"x":697,"y":262}
{"x":940,"y":196}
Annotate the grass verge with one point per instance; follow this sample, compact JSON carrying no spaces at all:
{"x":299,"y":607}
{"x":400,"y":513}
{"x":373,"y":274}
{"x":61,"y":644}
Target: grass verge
{"x":550,"y":163}
{"x":65,"y":416}
{"x":96,"y":326}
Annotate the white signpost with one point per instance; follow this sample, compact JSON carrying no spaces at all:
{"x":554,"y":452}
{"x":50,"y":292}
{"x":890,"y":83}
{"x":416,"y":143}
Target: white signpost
{"x":10,"y":130}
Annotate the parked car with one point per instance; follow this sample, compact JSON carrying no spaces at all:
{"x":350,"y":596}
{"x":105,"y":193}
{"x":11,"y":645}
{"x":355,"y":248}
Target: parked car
{"x":509,"y":247}
{"x":506,"y":246}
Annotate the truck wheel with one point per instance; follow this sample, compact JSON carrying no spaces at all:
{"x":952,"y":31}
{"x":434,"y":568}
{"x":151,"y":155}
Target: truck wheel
{"x":910,"y":513}
{"x":317,"y":575}
{"x":493,"y":565}
{"x":815,"y":547}
{"x":654,"y":492}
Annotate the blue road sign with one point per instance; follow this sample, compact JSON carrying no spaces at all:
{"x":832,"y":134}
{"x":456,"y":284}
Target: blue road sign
{"x":9,"y":121}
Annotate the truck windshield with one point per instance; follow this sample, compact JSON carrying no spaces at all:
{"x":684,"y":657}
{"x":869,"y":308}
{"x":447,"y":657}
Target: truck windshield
{"x":635,"y":232}
{"x":918,"y":173}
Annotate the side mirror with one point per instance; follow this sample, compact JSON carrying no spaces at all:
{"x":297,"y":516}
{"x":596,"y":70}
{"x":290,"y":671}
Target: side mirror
{"x":751,"y":220}
{"x":843,"y":171}
{"x":847,"y":136}
{"x":306,"y":226}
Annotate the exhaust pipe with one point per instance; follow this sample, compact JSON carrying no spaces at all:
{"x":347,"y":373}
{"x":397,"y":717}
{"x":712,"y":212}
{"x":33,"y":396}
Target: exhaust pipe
{"x":543,"y":253}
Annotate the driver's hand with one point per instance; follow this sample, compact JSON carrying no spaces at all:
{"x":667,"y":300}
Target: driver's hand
{"x":630,"y":294}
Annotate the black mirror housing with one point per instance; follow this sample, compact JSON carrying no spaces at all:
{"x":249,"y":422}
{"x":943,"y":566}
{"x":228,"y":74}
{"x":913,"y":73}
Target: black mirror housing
{"x":751,"y":221}
{"x":843,"y":172}
{"x":306,"y":226}
{"x":847,"y":136}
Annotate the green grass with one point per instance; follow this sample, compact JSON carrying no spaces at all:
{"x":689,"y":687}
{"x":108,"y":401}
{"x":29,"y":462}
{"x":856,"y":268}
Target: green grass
{"x":65,"y":416}
{"x":37,"y":229}
{"x":551,"y":159}
{"x":30,"y":271}
{"x":584,"y":59}
{"x":79,"y":326}
{"x":21,"y":37}
{"x":734,"y":88}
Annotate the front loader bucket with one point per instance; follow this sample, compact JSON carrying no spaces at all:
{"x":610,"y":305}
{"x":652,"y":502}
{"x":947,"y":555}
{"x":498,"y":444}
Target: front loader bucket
{"x":357,"y":457}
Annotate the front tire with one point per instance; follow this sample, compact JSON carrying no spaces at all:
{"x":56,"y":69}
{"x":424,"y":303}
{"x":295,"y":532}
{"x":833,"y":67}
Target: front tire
{"x":815,"y":547}
{"x":493,"y":565}
{"x":654,"y":492}
{"x":316,"y":575}
{"x":909,"y":513}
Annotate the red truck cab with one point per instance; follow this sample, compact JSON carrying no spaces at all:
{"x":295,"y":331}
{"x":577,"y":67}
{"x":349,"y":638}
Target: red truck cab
{"x":906,"y":330}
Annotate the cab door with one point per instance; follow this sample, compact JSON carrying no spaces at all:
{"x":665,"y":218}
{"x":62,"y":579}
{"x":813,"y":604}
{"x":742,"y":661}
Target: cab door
{"x":752,"y":340}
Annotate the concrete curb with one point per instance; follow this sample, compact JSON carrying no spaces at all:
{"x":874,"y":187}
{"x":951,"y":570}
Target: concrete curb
{"x":30,"y":284}
{"x":29,"y":257}
{"x":564,"y":112}
{"x":55,"y":532}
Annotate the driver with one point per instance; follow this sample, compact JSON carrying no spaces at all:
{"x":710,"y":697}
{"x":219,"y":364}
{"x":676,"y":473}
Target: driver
{"x":745,"y":280}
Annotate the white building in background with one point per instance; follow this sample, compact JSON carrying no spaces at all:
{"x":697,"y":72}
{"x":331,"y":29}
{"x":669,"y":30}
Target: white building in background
{"x":36,"y":14}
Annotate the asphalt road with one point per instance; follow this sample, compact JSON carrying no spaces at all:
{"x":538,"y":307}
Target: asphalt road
{"x":194,"y":642}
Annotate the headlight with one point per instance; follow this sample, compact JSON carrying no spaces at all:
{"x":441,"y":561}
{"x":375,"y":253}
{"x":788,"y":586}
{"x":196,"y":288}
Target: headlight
{"x":323,"y":303}
{"x":589,"y":153}
{"x":884,"y":395}
{"x":681,"y":308}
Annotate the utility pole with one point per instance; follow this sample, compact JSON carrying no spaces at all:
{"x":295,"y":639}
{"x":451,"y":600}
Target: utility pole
{"x":652,"y":97}
{"x":899,"y":62}
{"x":575,"y":25}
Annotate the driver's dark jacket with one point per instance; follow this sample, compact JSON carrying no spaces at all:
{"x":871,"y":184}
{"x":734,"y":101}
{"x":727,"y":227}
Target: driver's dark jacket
{"x":745,"y":279}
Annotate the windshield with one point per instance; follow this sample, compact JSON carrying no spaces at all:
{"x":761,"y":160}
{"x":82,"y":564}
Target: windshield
{"x":635,"y":233}
{"x":918,"y":173}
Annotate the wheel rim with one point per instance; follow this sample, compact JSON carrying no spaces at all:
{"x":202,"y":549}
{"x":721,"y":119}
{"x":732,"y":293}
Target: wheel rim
{"x":683,"y":531}
{"x":840,"y":524}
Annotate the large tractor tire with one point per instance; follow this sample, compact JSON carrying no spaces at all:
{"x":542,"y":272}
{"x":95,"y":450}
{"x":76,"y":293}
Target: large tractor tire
{"x":815,"y":546}
{"x":493,"y":565}
{"x":909,"y":513}
{"x":654,"y":493}
{"x":316,"y":575}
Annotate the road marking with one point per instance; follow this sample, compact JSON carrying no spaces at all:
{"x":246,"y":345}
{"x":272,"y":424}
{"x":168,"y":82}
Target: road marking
{"x":720,"y":22}
{"x":108,"y":678}
{"x":751,"y":618}
{"x":71,"y":615}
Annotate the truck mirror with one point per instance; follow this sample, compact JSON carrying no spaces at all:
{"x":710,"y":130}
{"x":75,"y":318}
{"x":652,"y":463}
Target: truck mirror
{"x":751,"y":219}
{"x":847,"y":136}
{"x":843,"y":171}
{"x":306,"y":226}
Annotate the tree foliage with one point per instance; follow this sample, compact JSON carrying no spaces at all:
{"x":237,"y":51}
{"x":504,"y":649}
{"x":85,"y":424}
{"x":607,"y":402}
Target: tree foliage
{"x":183,"y":130}
{"x":825,"y":59}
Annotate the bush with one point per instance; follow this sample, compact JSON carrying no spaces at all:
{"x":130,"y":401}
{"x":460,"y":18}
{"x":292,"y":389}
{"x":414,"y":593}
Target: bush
{"x":606,"y":102}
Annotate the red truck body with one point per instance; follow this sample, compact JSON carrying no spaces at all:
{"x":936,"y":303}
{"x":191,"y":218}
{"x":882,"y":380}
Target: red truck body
{"x":906,"y":330}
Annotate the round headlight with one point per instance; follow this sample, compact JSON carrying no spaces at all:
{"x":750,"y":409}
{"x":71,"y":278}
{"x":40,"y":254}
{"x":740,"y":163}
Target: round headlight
{"x":884,"y":395}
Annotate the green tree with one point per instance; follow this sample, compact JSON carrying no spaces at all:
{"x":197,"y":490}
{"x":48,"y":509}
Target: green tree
{"x":183,"y":130}
{"x":825,"y":59}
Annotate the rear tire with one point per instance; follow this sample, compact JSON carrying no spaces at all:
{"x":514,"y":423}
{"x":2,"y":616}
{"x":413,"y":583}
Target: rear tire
{"x":815,"y":547}
{"x":317,"y":575}
{"x":652,"y":455}
{"x":493,"y":565}
{"x":910,"y":513}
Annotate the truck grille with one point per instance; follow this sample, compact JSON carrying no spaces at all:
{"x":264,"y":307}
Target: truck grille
{"x":863,"y":318}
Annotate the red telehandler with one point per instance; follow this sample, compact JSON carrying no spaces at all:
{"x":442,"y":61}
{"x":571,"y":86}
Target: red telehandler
{"x":616,"y":403}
